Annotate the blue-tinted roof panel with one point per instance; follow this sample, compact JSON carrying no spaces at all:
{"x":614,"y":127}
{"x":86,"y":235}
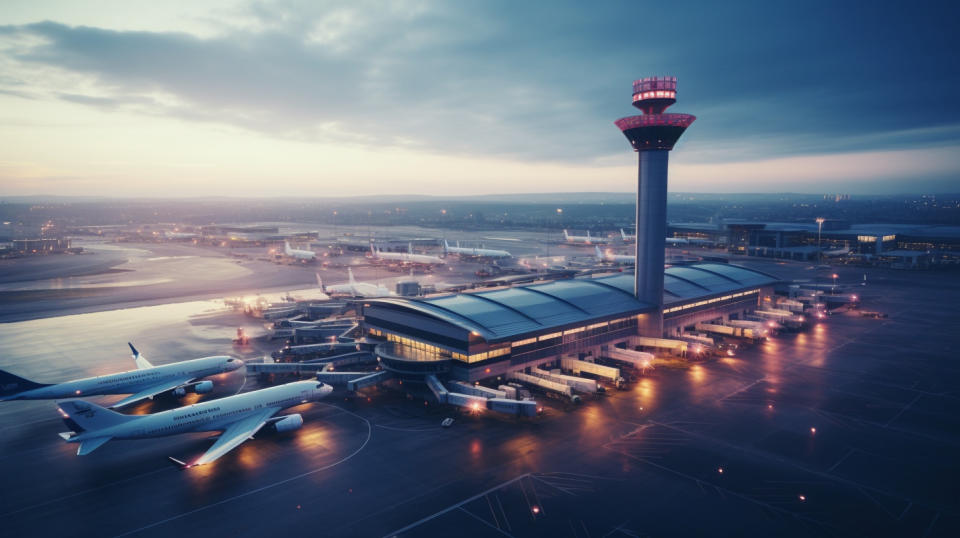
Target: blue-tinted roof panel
{"x":505,"y":313}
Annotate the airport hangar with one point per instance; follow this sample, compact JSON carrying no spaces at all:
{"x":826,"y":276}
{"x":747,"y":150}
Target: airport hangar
{"x":474,"y":336}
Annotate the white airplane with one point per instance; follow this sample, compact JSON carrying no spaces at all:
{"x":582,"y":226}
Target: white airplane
{"x":544,"y":262}
{"x":676,"y":241}
{"x":406,"y":258}
{"x":627,"y":237}
{"x":145,"y":382}
{"x":298,"y":254}
{"x":354,"y":288}
{"x":584,"y":239}
{"x":836,"y":252}
{"x":615,"y":258}
{"x":239,"y":417}
{"x":466,"y":252}
{"x":181,"y":235}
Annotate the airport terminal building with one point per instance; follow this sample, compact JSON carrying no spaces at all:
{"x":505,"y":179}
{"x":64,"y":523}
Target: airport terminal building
{"x":473,"y":336}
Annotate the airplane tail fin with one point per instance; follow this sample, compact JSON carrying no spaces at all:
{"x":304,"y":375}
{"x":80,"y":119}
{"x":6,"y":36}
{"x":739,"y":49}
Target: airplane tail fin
{"x":410,"y":247}
{"x":350,"y":275}
{"x":141,"y":361}
{"x":599,"y":254}
{"x":566,"y":235}
{"x":11,"y":384}
{"x":446,"y":247}
{"x":83,"y":416}
{"x":286,"y":248}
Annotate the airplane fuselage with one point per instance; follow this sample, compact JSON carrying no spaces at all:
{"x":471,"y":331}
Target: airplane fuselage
{"x":214,"y":415}
{"x":131,"y":381}
{"x":403,"y":257}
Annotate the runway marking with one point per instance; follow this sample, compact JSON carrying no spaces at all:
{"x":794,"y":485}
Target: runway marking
{"x":22,"y":424}
{"x":908,"y":406}
{"x":932,"y":523}
{"x":241,"y":385}
{"x":405,"y":429}
{"x":487,"y":523}
{"x":84,"y":492}
{"x":738,"y":391}
{"x":785,"y":461}
{"x":268,"y":486}
{"x":841,"y":460}
{"x":456,"y":506}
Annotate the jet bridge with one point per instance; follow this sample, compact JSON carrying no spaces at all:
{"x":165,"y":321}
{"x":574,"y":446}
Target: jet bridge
{"x":638,"y":359}
{"x":545,"y":384}
{"x":578,"y":366}
{"x":475,"y":398}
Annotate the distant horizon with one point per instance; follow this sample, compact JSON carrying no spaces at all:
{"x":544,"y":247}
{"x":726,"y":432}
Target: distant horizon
{"x":437,"y":197}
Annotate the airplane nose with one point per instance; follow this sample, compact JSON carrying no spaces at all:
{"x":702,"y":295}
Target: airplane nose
{"x":234,"y":364}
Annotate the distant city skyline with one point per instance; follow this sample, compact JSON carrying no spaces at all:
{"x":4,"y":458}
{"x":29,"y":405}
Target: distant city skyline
{"x":288,"y":98}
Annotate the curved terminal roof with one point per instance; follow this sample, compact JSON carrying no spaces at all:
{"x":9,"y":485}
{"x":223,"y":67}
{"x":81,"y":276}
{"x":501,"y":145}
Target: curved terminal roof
{"x":534,"y":308}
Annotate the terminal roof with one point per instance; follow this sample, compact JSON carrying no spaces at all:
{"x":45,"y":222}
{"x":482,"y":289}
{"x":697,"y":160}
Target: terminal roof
{"x":538,"y":308}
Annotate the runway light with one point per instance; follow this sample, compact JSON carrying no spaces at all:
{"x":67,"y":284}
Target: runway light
{"x":720,"y":470}
{"x":535,"y":510}
{"x":802,"y":497}
{"x":769,"y":406}
{"x":813,"y":431}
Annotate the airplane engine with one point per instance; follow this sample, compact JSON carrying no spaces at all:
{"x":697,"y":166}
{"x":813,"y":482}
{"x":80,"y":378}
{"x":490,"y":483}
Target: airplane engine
{"x":179,"y":392}
{"x":203,"y":387}
{"x":289,"y":423}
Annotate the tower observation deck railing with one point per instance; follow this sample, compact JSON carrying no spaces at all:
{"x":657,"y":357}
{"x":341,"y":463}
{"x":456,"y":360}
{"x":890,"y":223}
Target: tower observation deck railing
{"x":675,"y":120}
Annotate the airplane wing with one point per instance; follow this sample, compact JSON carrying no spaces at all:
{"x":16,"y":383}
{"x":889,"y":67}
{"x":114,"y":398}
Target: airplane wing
{"x":236,"y":433}
{"x":152,"y":391}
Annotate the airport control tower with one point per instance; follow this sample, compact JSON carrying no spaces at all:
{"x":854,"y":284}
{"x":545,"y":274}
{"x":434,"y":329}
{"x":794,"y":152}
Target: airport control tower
{"x":652,"y":135}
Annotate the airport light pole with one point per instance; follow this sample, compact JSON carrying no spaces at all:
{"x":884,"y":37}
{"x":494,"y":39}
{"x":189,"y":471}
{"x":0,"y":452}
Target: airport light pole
{"x":819,"y":248}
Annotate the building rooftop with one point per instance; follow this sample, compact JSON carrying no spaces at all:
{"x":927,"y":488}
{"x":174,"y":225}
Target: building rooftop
{"x":509,"y":312}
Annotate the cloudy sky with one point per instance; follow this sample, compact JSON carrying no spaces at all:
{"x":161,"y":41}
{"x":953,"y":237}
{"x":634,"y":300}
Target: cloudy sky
{"x":316,"y":98}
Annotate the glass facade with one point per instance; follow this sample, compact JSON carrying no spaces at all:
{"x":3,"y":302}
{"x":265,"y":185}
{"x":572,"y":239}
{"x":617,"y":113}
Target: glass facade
{"x":705,"y":302}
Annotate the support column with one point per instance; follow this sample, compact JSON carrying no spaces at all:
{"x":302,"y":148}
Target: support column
{"x":651,"y":221}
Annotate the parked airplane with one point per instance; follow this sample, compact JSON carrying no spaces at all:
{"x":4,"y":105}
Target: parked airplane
{"x":837,"y":252}
{"x":615,"y":258}
{"x":467,"y":252}
{"x":180,"y":235}
{"x":676,"y":241}
{"x":354,"y":288}
{"x":627,"y":237}
{"x":145,"y":382}
{"x":298,"y":254}
{"x":239,"y":417}
{"x":584,"y":239}
{"x":406,"y":258}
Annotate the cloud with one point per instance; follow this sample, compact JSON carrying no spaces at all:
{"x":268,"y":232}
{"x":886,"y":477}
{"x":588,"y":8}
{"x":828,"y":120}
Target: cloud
{"x":521,"y":81}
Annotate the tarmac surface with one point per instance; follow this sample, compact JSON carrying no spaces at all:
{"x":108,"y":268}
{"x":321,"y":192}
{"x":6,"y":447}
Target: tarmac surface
{"x":848,"y":429}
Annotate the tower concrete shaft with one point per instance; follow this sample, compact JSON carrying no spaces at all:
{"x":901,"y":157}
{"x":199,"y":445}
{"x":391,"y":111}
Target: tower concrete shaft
{"x":652,"y":135}
{"x":651,"y":226}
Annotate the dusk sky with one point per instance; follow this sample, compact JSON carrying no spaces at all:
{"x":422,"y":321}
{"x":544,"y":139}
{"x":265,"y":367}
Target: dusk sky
{"x":291,"y":98}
